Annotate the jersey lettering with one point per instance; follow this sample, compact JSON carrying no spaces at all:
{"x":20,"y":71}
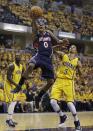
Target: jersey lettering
{"x":45,"y":44}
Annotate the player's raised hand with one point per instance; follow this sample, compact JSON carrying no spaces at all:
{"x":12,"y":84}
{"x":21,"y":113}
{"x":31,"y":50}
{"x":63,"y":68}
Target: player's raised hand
{"x":66,"y":42}
{"x":60,"y":41}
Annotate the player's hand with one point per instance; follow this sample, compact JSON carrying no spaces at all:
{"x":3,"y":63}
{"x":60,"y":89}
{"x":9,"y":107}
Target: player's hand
{"x":60,"y":41}
{"x":17,"y":89}
{"x":66,"y":42}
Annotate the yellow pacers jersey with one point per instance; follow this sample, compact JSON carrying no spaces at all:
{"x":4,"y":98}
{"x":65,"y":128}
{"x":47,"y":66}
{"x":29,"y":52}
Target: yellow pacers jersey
{"x":16,"y":75}
{"x":68,"y":69}
{"x":8,"y":86}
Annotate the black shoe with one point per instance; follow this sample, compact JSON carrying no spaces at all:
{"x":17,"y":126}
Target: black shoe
{"x":16,"y":90}
{"x":62,"y":120}
{"x":77,"y":125}
{"x":10,"y":123}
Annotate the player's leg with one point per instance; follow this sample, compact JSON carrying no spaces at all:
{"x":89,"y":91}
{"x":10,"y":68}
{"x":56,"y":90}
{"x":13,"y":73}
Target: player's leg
{"x":56,"y":95}
{"x":43,"y":91}
{"x":9,"y":99}
{"x":16,"y":97}
{"x":70,"y":95}
{"x":72,"y":108}
{"x":48,"y":74}
{"x":9,"y":120}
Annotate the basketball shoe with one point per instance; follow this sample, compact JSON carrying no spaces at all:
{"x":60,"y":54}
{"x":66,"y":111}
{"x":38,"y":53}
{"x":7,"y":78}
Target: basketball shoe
{"x":10,"y":123}
{"x":77,"y":126}
{"x":62,"y":121}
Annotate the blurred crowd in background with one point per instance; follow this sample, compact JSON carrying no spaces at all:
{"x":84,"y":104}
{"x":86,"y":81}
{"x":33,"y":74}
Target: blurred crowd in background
{"x":84,"y":94}
{"x":60,"y":16}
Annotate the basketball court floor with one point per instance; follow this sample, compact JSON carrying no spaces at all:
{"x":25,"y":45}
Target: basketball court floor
{"x":46,"y":122}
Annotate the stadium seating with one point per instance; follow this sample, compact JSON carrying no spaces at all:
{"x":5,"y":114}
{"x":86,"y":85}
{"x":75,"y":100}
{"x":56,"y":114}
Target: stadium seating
{"x":61,"y":20}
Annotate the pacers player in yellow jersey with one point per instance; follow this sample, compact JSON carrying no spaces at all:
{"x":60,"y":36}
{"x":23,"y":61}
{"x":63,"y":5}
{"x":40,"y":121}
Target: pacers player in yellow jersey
{"x":65,"y":83}
{"x":14,"y":73}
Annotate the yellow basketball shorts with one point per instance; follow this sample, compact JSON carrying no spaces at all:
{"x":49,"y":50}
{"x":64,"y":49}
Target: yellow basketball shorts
{"x":63,"y":86}
{"x":9,"y":97}
{"x":15,"y":97}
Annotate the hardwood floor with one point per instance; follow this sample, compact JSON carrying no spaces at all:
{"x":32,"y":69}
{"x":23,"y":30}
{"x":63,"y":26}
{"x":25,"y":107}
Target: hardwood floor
{"x":44,"y":121}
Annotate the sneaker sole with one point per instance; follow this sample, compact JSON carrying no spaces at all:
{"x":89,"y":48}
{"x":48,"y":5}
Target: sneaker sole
{"x":63,"y":125}
{"x":78,"y":130}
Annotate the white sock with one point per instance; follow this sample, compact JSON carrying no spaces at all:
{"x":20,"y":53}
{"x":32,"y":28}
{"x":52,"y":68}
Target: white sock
{"x":11,"y":110}
{"x":56,"y":107}
{"x":73,"y":110}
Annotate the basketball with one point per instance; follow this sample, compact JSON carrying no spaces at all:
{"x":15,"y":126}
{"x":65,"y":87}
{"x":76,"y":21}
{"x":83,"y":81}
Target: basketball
{"x":36,"y":12}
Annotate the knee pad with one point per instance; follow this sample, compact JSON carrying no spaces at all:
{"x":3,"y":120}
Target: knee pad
{"x":74,"y":114}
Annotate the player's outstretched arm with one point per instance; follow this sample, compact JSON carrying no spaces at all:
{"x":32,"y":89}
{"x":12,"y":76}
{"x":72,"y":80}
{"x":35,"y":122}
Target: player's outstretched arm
{"x":64,"y":42}
{"x":54,"y":37}
{"x":60,"y":54}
